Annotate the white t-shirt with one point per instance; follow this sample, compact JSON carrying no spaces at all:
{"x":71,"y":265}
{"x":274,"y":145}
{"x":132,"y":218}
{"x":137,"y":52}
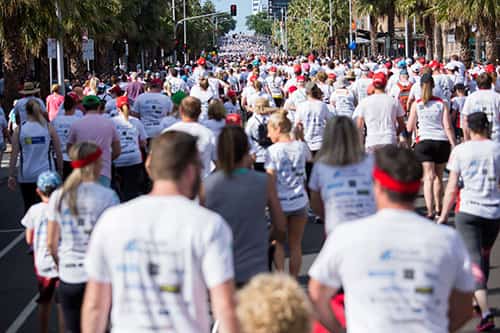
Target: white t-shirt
{"x":160,"y":268}
{"x":430,"y":120}
{"x":275,"y":85}
{"x":346,"y":191}
{"x":478,"y":163}
{"x":313,"y":115}
{"x":131,"y":132}
{"x":152,"y":107}
{"x":487,"y":101}
{"x":343,"y":102}
{"x":110,"y":108}
{"x":20,"y":107}
{"x":381,"y":120}
{"x":261,"y":94}
{"x":34,"y":144}
{"x":232,"y":108}
{"x":176,"y":84}
{"x":62,"y":124}
{"x":206,"y":142}
{"x":205,"y":96}
{"x":36,"y":220}
{"x":360,"y":88}
{"x":252,"y":131}
{"x":168,"y":121}
{"x":397,"y":270}
{"x":215,"y":126}
{"x":288,"y":160}
{"x":92,"y":200}
{"x":327,"y":91}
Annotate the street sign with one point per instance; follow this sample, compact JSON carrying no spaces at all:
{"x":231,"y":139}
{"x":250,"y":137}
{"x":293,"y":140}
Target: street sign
{"x":451,"y":38}
{"x":352,"y":45}
{"x":51,"y":48}
{"x":88,"y":49}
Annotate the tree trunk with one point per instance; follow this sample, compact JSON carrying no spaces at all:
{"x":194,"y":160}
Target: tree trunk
{"x":428,"y":36}
{"x":438,"y":41}
{"x":489,"y":32}
{"x":373,"y":35}
{"x":462,"y":35}
{"x":14,"y":59}
{"x":391,"y":17}
{"x":45,"y":84}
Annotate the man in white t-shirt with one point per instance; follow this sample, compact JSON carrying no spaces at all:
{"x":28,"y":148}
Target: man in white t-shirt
{"x":156,"y":273}
{"x":483,"y":100}
{"x":382,"y":115}
{"x":151,"y":107}
{"x":190,"y":110}
{"x":394,"y":281}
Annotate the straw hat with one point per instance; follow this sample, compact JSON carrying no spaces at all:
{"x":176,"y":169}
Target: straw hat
{"x":29,"y":89}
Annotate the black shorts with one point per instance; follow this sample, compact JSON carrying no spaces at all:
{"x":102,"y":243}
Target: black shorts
{"x":433,"y":151}
{"x":46,"y":289}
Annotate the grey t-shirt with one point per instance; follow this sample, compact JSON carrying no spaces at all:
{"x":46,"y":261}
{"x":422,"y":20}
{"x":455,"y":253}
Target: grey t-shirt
{"x":241,"y":201}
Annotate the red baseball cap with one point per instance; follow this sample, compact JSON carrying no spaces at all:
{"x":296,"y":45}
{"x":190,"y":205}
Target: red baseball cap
{"x":297,"y":68}
{"x":490,"y":68}
{"x":273,"y":69}
{"x":379,"y":80}
{"x":292,"y":89}
{"x":388,"y":65}
{"x":421,"y":60}
{"x":434,"y":64}
{"x":301,"y":78}
{"x":74,"y":96}
{"x":201,"y":61}
{"x":311,"y":57}
{"x":332,"y":76}
{"x":121,"y":101}
{"x":156,"y":83}
{"x":231,"y":93}
{"x":233,"y":119}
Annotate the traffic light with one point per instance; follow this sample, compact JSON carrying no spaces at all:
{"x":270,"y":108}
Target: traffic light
{"x":233,"y":10}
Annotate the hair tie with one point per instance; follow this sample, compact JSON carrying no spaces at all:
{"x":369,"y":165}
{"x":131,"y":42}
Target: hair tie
{"x":389,"y":183}
{"x":78,"y":164}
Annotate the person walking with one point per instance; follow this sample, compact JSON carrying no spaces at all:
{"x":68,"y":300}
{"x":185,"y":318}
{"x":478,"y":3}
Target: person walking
{"x":158,"y":273}
{"x":435,"y":139}
{"x":72,"y":214}
{"x":477,"y":163}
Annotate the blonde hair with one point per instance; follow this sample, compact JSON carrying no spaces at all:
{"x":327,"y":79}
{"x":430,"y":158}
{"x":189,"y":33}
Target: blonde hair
{"x":34,"y":109}
{"x":273,"y":303}
{"x":261,"y":106}
{"x":93,"y":84}
{"x":70,"y":187}
{"x":341,"y":143}
{"x":279,"y":120}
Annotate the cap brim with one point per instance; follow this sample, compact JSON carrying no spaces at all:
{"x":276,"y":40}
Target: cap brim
{"x":28,"y":92}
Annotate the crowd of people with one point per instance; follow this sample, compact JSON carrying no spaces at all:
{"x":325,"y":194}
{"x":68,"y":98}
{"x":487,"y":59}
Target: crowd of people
{"x":152,"y":196}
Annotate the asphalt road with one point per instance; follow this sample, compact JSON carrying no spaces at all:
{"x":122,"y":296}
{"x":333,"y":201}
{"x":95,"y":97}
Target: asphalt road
{"x":18,"y":285}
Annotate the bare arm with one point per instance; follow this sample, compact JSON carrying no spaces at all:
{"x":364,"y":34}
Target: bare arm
{"x":360,"y":122}
{"x":29,"y":236}
{"x":459,"y":311}
{"x":317,"y":204}
{"x":13,"y":159}
{"x":465,"y":129}
{"x":320,"y":297}
{"x":278,"y":220}
{"x":449,"y":196}
{"x":96,"y":306}
{"x":116,"y":149}
{"x":412,"y":119}
{"x":448,"y":128}
{"x":57,"y":148}
{"x":223,"y":307}
{"x":53,"y":234}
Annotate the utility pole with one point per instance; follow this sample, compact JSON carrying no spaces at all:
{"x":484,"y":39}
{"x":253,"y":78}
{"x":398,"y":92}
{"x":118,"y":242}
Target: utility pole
{"x":184,"y":46}
{"x":350,"y":27}
{"x":60,"y":53}
{"x":175,"y":29}
{"x":331,"y":28}
{"x":407,"y":44}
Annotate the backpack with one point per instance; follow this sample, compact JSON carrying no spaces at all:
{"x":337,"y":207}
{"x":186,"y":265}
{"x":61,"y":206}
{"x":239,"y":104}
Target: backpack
{"x":262,"y":138}
{"x":404,"y":94}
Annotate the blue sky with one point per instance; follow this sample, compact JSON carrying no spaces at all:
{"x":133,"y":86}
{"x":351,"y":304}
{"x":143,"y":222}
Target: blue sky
{"x":244,"y":9}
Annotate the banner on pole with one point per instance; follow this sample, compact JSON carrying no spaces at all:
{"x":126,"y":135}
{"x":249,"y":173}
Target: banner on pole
{"x":88,"y":49}
{"x":51,"y":48}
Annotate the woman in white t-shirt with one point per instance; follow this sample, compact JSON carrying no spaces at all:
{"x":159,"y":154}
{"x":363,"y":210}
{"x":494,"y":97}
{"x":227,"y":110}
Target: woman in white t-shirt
{"x":129,"y":166}
{"x":286,"y":164}
{"x":203,"y":92}
{"x":62,"y":124}
{"x":342,"y":99}
{"x":72,"y":214}
{"x":341,"y":180}
{"x":35,"y":142}
{"x":216,"y":117}
{"x":477,"y":163}
{"x":434,"y":136}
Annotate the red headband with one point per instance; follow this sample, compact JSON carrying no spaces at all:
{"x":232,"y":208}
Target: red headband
{"x":78,"y":164}
{"x":389,"y":183}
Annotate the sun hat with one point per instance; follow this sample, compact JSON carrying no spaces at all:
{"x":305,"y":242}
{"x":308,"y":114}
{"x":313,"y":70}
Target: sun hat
{"x":48,"y":180}
{"x":29,"y":89}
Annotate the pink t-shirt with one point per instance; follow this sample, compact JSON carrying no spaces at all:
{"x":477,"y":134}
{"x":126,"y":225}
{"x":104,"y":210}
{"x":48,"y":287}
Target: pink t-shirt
{"x":54,"y":101}
{"x":100,"y":130}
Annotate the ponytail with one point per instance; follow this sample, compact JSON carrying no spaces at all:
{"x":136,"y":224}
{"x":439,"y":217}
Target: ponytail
{"x":70,"y":188}
{"x":427,"y":91}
